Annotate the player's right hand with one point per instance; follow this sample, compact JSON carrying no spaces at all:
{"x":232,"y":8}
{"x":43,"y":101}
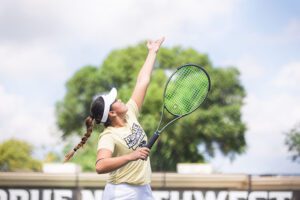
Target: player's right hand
{"x":140,"y":153}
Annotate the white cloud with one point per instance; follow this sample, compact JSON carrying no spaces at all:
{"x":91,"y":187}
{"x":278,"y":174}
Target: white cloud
{"x":271,"y":114}
{"x":21,"y":63}
{"x":271,"y":96}
{"x":271,"y":109}
{"x":288,"y":77}
{"x":122,"y":22}
{"x":19,"y":119}
{"x":40,"y":38}
{"x":249,"y":67}
{"x":276,"y":107}
{"x":267,"y":118}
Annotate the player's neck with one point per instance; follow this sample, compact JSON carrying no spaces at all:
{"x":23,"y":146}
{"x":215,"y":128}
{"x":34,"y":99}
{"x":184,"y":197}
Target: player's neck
{"x":118,"y":122}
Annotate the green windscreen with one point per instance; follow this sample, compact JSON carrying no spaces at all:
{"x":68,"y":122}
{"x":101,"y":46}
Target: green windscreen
{"x":186,"y":90}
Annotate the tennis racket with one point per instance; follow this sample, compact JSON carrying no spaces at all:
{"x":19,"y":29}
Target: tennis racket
{"x":184,"y":92}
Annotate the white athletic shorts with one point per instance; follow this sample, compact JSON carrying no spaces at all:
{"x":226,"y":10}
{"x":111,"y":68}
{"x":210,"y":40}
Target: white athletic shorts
{"x":125,"y":191}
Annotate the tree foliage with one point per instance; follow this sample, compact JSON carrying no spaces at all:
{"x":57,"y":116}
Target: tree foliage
{"x":15,"y":155}
{"x":216,"y":125}
{"x":292,"y":140}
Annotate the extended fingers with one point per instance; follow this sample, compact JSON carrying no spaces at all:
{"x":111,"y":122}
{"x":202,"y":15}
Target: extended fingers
{"x":159,"y":41}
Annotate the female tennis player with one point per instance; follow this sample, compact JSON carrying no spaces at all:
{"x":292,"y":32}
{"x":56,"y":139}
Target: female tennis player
{"x":120,"y":152}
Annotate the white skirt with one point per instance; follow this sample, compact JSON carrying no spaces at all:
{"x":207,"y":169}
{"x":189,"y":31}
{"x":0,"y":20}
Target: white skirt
{"x":125,"y":191}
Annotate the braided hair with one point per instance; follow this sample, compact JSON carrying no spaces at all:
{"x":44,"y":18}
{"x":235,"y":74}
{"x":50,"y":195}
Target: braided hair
{"x":89,"y":123}
{"x":97,"y":108}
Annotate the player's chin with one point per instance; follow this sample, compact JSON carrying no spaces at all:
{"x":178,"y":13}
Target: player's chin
{"x":124,"y":111}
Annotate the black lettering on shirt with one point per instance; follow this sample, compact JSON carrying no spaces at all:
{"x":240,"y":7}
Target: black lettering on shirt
{"x":134,"y":139}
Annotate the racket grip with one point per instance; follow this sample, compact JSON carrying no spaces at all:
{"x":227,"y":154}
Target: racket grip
{"x":152,"y":140}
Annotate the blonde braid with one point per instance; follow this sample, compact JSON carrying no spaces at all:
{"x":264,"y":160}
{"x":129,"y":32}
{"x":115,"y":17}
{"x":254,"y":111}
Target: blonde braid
{"x":89,"y":123}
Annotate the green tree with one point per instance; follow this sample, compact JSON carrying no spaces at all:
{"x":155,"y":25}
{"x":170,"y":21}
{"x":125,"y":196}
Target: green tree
{"x":15,"y":155}
{"x":292,"y":140}
{"x":216,"y":125}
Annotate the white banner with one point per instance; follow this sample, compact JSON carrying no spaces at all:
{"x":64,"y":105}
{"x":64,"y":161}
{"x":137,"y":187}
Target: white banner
{"x":91,"y":194}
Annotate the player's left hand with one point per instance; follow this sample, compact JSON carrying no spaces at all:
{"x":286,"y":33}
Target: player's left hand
{"x":155,"y":45}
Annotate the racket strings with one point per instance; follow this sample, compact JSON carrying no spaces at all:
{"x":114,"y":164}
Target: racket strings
{"x":186,"y":90}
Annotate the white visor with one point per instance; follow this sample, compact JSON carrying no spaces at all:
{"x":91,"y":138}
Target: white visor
{"x":108,"y":100}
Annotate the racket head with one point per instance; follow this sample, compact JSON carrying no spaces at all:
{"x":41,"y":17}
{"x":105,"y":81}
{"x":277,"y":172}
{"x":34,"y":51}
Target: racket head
{"x":186,"y":89}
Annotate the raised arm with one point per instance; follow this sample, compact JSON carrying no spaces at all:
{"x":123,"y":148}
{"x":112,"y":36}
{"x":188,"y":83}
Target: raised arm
{"x":144,"y":75}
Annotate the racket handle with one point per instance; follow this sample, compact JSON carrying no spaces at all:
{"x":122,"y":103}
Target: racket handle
{"x":152,"y":140}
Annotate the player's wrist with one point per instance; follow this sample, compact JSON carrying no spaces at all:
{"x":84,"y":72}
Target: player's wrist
{"x":152,"y":51}
{"x":129,"y":157}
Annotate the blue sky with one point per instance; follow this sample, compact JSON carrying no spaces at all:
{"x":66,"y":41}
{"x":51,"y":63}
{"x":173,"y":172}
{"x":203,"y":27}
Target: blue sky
{"x":42,"y":44}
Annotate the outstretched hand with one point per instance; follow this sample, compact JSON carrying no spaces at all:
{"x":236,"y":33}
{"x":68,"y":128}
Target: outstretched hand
{"x":155,"y":45}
